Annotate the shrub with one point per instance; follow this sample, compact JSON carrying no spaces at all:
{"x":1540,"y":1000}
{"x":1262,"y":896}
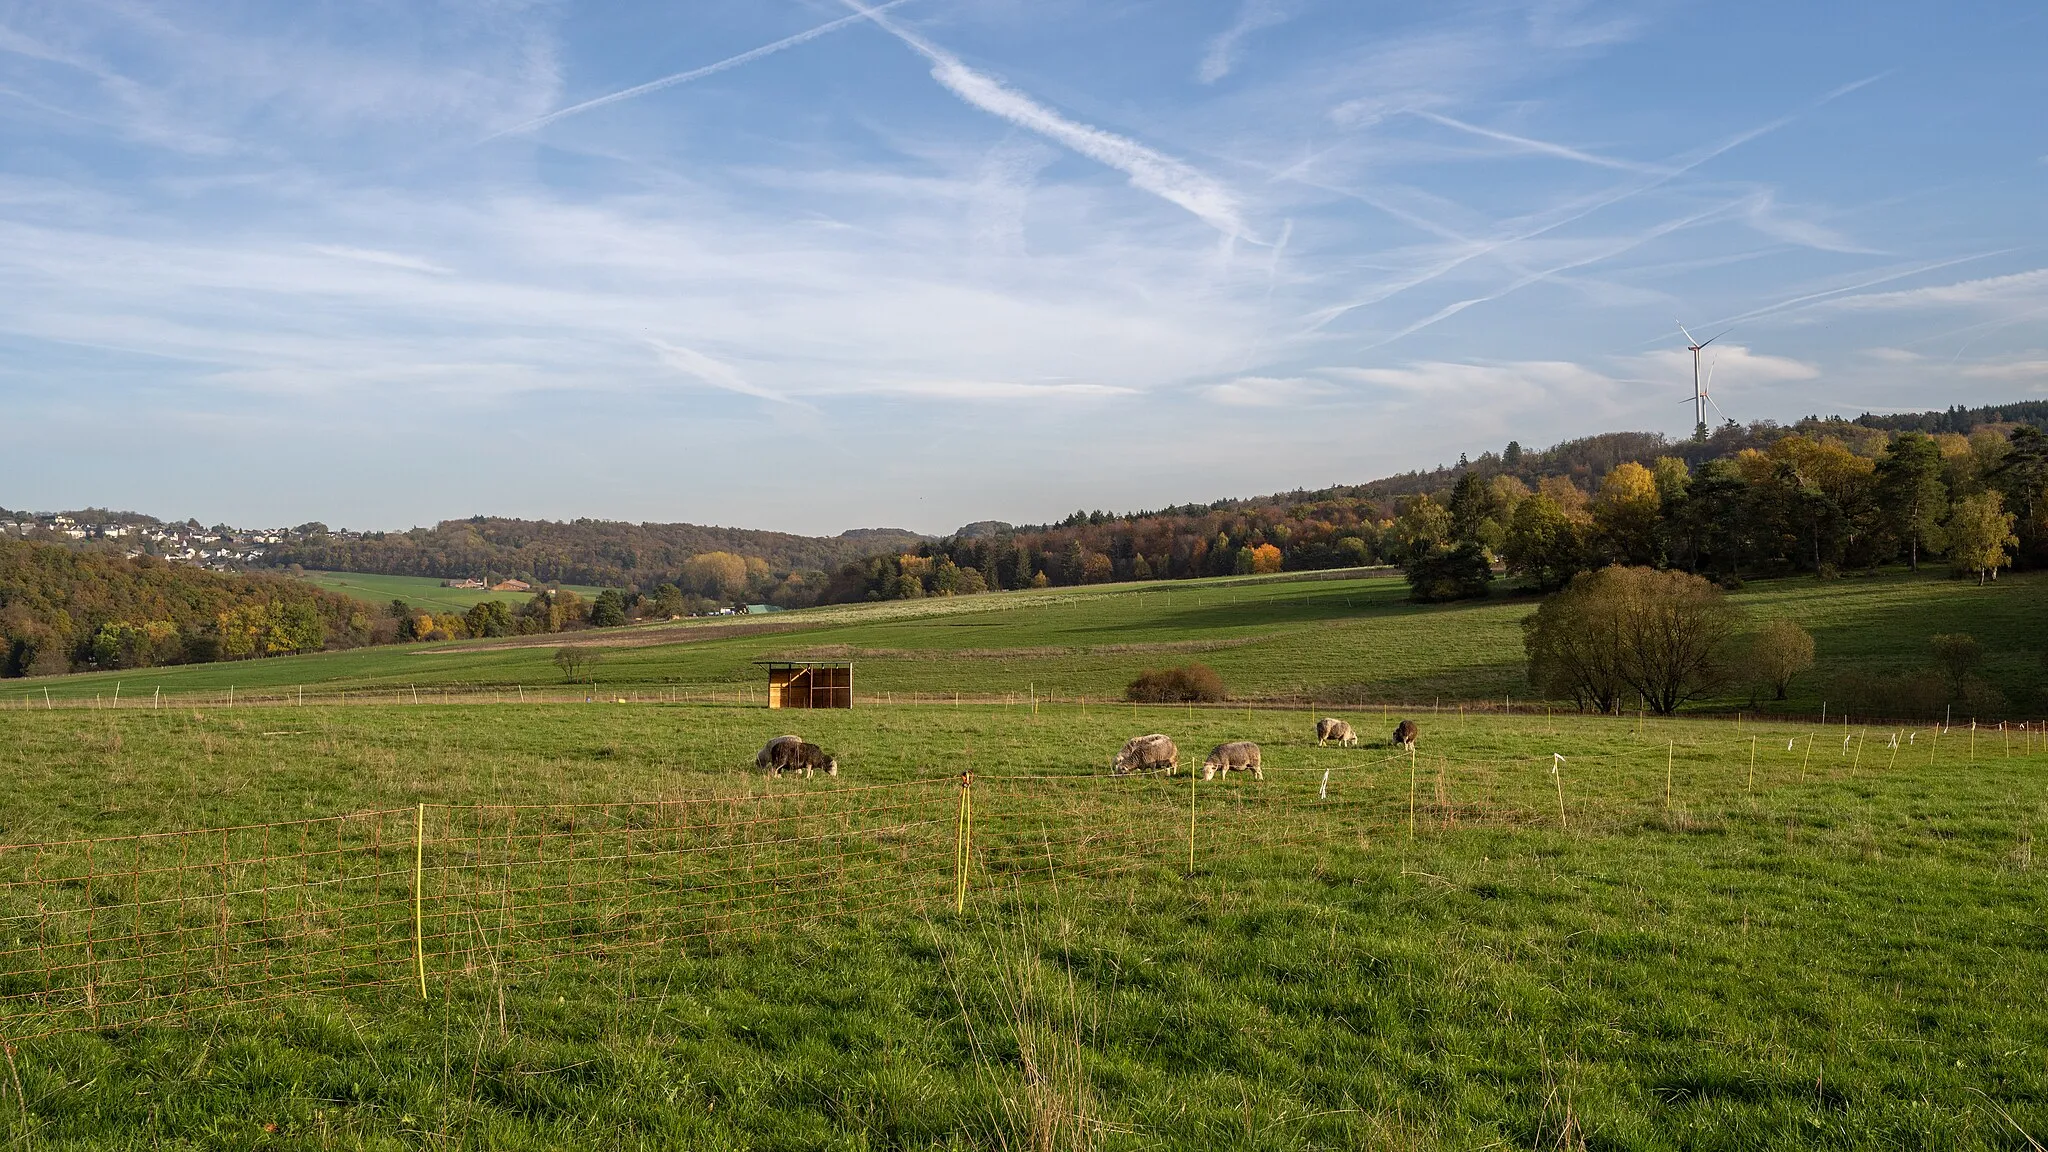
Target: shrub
{"x":1187,"y":684}
{"x":1662,"y":635}
{"x":577,"y":661}
{"x":1780,"y":650}
{"x":1958,"y":654}
{"x":1439,"y":575}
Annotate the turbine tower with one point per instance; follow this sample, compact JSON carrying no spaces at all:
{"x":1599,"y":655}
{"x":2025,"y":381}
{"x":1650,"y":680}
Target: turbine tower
{"x":1701,"y":395}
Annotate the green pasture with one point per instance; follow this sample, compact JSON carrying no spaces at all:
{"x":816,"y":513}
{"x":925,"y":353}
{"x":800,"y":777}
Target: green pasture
{"x":422,"y":592}
{"x":1694,"y":934}
{"x":1355,"y":640}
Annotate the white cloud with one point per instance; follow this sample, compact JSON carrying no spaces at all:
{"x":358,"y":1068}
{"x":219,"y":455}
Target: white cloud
{"x":1732,"y":365}
{"x":992,"y":390}
{"x":1453,"y":384}
{"x":2018,"y":288}
{"x":387,"y":259}
{"x":2035,"y":371}
{"x":716,"y":373}
{"x":1268,"y":391}
{"x":1221,"y":56}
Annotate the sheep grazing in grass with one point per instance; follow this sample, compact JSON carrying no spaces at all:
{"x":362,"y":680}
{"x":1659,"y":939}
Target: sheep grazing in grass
{"x":1239,"y":754}
{"x":809,"y":758}
{"x":1146,"y":754}
{"x":775,"y":754}
{"x":789,"y":754}
{"x":1328,"y":730}
{"x":1405,"y":734}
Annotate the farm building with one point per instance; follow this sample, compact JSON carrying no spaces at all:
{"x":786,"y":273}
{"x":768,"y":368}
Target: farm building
{"x":809,"y":683}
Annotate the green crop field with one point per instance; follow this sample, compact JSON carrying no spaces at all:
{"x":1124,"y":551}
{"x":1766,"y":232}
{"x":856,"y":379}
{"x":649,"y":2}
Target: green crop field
{"x":1694,"y":934}
{"x":1355,"y":640}
{"x":422,"y":592}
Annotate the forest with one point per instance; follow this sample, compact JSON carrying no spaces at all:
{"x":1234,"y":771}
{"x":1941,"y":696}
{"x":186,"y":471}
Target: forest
{"x":601,"y":552}
{"x":63,"y":609}
{"x":1821,"y":496}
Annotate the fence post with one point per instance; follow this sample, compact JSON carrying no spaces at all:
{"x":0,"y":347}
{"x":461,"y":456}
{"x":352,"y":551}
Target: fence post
{"x":1191,"y":819}
{"x":1670,"y":750}
{"x":1411,"y":792}
{"x":963,"y":842}
{"x":419,"y":930}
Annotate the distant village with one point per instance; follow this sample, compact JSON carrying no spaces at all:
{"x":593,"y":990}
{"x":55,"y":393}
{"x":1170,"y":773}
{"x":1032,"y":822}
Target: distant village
{"x":221,"y":547}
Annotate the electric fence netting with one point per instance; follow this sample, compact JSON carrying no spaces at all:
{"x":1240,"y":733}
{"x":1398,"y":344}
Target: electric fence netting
{"x":129,"y":931}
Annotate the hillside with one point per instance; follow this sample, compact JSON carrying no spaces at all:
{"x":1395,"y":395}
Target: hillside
{"x":1344,"y":638}
{"x":62,"y":608}
{"x":593,"y":552}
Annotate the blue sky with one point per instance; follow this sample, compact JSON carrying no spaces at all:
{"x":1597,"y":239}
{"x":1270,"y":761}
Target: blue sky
{"x":942,"y":260}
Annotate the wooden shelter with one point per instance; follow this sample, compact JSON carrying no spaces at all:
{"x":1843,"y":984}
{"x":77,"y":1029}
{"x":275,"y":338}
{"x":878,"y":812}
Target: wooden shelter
{"x":809,"y":683}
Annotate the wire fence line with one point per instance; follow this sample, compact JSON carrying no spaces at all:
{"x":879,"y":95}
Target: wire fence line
{"x":128,"y":931}
{"x":17,"y":698}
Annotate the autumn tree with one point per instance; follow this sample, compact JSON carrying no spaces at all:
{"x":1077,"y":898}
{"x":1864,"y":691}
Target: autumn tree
{"x":1625,"y":515}
{"x":1543,"y":544}
{"x":718,"y":575}
{"x":1665,"y":635}
{"x":1979,"y":532}
{"x":1780,"y":650}
{"x":1423,"y":525}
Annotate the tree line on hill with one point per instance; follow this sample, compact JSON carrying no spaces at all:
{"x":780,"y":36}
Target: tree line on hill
{"x":1819,"y":504}
{"x":75,"y":610}
{"x":64,"y":609}
{"x":1822,"y":496}
{"x":774,"y":565}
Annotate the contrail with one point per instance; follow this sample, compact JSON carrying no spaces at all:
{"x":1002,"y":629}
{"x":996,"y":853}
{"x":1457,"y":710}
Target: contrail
{"x":1544,"y":147}
{"x":1165,"y":177}
{"x":693,"y":74}
{"x":1323,"y":317}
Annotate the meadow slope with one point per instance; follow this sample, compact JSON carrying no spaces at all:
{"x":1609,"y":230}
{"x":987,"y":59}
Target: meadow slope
{"x":1698,"y":934}
{"x":1339,"y":640}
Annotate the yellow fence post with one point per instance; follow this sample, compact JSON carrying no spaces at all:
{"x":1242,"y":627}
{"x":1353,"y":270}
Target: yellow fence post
{"x":963,"y":834}
{"x":419,"y":870}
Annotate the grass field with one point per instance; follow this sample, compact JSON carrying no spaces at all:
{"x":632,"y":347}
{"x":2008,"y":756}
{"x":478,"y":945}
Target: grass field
{"x":422,"y":592}
{"x":1344,"y":640}
{"x":1693,"y":936}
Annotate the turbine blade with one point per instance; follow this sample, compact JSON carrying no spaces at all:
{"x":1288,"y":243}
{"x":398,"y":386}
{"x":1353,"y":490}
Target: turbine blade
{"x":1710,"y":375}
{"x":1718,"y":336}
{"x":1688,"y":336}
{"x":1717,"y":409}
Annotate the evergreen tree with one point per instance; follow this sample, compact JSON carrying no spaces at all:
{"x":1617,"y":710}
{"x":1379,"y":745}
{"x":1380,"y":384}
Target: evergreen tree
{"x":1910,"y":494}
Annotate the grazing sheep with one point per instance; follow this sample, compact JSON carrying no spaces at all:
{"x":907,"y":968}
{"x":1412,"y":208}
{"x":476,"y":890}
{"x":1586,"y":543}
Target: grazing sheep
{"x":808,"y":758}
{"x":775,"y":753}
{"x":1328,"y":729}
{"x":1239,"y":754}
{"x":1146,"y":754}
{"x":1405,"y":734}
{"x":790,"y":754}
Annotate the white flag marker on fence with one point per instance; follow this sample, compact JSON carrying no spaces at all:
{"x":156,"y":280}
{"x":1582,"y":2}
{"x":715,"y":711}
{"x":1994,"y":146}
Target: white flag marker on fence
{"x":1323,"y":793}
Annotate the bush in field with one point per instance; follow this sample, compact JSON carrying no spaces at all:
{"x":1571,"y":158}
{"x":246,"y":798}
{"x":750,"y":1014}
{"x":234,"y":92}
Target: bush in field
{"x":1187,"y":684}
{"x":1778,"y":652}
{"x":577,"y":661}
{"x":1662,"y":635}
{"x":1959,"y":655}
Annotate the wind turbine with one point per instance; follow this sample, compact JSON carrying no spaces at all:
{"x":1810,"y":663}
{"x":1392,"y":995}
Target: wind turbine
{"x":1701,"y":395}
